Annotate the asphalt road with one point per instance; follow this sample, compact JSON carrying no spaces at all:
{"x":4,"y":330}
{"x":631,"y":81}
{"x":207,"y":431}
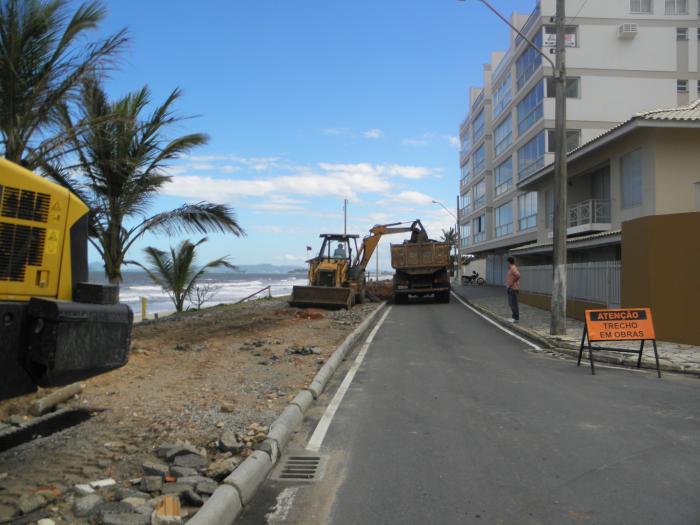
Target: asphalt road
{"x":451,"y":420}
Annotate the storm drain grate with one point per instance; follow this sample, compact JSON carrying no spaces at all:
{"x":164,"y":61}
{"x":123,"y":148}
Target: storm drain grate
{"x":300,"y":466}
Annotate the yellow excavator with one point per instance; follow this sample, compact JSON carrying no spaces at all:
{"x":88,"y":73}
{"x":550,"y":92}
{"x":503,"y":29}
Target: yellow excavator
{"x":336,"y":276}
{"x":55,"y":327}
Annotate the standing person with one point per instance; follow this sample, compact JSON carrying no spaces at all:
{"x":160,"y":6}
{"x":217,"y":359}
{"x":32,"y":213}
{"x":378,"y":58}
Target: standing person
{"x":513,"y":285}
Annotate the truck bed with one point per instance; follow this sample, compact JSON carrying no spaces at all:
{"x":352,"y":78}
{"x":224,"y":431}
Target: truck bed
{"x":416,"y":256}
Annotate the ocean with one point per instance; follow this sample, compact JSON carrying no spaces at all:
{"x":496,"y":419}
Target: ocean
{"x":230,"y":288}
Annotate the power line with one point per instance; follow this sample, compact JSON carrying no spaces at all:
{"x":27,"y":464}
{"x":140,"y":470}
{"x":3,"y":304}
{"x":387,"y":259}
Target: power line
{"x":578,"y":12}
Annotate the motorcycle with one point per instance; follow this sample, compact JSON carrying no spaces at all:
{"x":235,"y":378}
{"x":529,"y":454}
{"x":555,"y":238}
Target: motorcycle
{"x":473,"y":279}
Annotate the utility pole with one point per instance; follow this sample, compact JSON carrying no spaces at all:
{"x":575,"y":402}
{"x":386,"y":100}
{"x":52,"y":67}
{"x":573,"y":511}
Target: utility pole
{"x":345,"y":216}
{"x":558,"y":304}
{"x":458,"y":250}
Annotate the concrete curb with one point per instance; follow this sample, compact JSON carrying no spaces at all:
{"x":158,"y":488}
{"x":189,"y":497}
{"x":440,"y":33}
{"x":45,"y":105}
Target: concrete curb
{"x":240,"y":486}
{"x":570,"y":350}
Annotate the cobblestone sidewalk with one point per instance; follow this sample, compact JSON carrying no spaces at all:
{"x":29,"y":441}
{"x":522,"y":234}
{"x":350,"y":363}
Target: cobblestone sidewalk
{"x":535,"y":323}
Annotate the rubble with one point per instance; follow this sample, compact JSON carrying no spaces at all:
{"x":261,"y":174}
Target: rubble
{"x":303,"y":350}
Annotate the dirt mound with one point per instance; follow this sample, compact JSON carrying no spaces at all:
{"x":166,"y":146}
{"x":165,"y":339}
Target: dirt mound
{"x":310,"y":313}
{"x":381,"y":289}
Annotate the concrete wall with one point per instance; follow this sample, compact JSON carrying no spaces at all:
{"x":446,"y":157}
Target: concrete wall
{"x":574,"y":308}
{"x":660,"y":258}
{"x":677,"y":170}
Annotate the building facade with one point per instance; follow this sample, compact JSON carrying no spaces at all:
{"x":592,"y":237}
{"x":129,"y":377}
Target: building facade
{"x":622,"y":57}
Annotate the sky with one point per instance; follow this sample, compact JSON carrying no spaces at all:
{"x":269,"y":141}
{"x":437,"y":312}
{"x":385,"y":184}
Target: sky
{"x":308,"y":103}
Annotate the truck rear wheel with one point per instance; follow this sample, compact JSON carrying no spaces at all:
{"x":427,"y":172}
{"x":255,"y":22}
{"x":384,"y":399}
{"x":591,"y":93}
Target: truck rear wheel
{"x":442,"y":297}
{"x":400,"y":298}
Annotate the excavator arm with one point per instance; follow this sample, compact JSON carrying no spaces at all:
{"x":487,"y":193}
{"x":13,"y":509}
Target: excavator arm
{"x":369,"y":243}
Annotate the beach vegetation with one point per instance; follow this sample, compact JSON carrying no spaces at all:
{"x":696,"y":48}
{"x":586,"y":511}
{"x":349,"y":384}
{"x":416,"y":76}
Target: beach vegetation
{"x":177,"y":272}
{"x":122,"y":156}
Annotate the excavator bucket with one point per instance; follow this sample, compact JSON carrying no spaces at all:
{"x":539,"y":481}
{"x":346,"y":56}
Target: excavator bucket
{"x":321,"y":296}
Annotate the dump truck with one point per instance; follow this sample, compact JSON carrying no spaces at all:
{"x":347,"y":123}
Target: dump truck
{"x":336,"y":277}
{"x":421,"y":268}
{"x":56,"y":328}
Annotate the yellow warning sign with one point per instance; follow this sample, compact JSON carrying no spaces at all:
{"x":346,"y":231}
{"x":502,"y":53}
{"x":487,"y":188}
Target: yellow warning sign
{"x":51,"y":245}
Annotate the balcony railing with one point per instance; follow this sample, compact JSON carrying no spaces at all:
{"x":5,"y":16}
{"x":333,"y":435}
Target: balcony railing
{"x":592,"y":211}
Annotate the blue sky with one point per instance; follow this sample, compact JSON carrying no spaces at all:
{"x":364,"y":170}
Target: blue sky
{"x":308,"y":102}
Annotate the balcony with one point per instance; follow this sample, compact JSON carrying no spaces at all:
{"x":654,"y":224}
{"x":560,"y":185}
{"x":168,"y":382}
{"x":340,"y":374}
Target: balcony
{"x":589,"y":215}
{"x":592,"y":215}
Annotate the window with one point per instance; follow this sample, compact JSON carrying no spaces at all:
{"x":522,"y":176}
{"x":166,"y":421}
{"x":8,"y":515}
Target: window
{"x":530,"y":108}
{"x":572,"y":87}
{"x":682,"y":86}
{"x":466,"y":234}
{"x":527,"y":210}
{"x":573,"y":140}
{"x":503,"y":135}
{"x":550,"y":36}
{"x":681,"y":33}
{"x":479,"y":228}
{"x":504,"y":219}
{"x":504,"y":176}
{"x":466,"y":142}
{"x":549,"y":207}
{"x":640,"y":6}
{"x":502,"y":95}
{"x":528,"y":62}
{"x":479,"y":194}
{"x":466,"y":171}
{"x":531,"y":156}
{"x":466,"y":202}
{"x":478,"y":126}
{"x":480,"y":159}
{"x":676,"y":7}
{"x":631,"y":175}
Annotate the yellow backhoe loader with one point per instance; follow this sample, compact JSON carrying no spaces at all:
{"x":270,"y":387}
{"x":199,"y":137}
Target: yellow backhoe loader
{"x":55,"y":328}
{"x":336,"y":277}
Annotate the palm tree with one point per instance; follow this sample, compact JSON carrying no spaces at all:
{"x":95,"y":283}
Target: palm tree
{"x":42,"y":61}
{"x":175,"y":272}
{"x":122,"y":157}
{"x":449,"y":236}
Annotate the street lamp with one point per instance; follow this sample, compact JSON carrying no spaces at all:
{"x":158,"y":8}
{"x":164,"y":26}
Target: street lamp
{"x":457,"y":261}
{"x":558,"y":304}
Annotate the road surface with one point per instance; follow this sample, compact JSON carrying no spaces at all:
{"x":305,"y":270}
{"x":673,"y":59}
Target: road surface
{"x":451,"y":420}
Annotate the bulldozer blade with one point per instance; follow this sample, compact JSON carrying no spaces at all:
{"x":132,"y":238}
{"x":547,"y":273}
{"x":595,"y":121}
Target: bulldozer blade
{"x":321,"y":296}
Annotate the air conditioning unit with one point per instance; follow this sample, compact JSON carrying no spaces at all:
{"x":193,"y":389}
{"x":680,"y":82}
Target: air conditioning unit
{"x":627,"y":31}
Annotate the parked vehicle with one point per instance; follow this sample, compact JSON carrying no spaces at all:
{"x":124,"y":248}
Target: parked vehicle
{"x":422,"y":267}
{"x":56,"y":327}
{"x":474,"y":278}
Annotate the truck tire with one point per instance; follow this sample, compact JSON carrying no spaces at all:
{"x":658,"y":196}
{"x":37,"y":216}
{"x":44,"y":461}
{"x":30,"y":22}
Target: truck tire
{"x":442,"y":297}
{"x":399,"y":298}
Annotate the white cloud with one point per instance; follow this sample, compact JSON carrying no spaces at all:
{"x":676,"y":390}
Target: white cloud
{"x":415,"y":142}
{"x":413,"y":197}
{"x":453,"y":140}
{"x":373,"y":133}
{"x":410,"y":172}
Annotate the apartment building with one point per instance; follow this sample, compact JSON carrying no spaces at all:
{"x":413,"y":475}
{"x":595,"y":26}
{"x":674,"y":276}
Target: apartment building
{"x":623,"y":57}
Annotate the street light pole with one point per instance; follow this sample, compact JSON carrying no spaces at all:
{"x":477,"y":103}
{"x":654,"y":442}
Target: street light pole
{"x":558,"y":303}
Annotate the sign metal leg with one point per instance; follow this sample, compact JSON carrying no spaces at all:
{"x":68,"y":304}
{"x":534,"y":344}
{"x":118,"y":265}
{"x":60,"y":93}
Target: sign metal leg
{"x":656,"y":356}
{"x":590,"y":356}
{"x":583,"y":340}
{"x":639,"y":361}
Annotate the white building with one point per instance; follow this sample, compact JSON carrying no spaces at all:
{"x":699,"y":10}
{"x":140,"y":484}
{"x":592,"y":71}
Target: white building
{"x":622,"y":57}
